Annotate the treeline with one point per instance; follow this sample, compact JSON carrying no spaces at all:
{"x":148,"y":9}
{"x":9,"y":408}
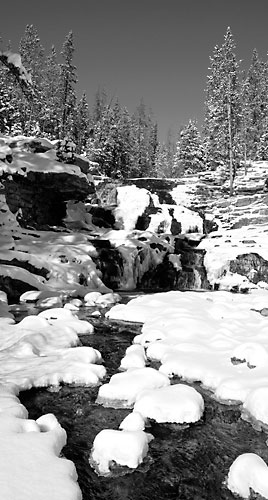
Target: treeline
{"x":126,"y":145}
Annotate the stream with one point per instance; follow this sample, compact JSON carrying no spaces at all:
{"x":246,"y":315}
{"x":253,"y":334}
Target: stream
{"x":184,"y":462}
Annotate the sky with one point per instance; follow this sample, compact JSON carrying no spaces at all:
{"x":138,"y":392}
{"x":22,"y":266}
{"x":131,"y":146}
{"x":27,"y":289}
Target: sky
{"x":155,"y":50}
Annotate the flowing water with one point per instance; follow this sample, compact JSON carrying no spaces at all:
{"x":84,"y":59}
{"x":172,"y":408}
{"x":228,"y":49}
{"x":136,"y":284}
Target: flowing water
{"x":184,"y":462}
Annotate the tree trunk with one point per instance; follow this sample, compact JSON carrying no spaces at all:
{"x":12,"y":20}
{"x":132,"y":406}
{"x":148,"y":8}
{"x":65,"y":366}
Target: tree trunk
{"x":231,"y":168}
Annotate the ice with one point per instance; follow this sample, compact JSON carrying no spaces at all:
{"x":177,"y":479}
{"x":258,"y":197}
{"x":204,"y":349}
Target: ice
{"x":177,"y":403}
{"x":125,"y":448}
{"x":123,"y":388}
{"x":248,"y":471}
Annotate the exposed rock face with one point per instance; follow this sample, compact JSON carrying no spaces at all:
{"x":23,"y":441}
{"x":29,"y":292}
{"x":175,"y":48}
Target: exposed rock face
{"x":40,"y":197}
{"x":251,"y":265}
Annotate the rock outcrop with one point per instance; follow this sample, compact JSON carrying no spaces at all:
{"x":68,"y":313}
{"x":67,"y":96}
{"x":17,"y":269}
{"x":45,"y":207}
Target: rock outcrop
{"x":37,"y":186}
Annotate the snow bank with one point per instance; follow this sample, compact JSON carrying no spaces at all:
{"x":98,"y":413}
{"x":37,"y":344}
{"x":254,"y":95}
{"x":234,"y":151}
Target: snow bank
{"x":38,"y":352}
{"x":30,"y":467}
{"x":217,"y":338}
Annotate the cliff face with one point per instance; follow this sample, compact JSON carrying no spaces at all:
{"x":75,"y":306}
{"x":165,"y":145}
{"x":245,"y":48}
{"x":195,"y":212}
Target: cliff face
{"x":37,"y":185}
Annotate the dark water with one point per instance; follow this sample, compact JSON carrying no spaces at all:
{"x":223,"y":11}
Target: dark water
{"x":185,"y":463}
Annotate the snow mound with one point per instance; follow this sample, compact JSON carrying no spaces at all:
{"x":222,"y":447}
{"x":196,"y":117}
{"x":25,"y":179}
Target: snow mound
{"x":256,"y":404}
{"x":176,"y":404}
{"x":125,"y":448}
{"x":133,"y":422}
{"x":134,"y":358}
{"x":123,"y":388}
{"x":248,"y":471}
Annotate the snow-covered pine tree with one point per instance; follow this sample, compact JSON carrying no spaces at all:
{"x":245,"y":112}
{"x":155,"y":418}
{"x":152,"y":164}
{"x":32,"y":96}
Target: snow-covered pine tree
{"x":127,"y":140}
{"x":255,"y":105}
{"x":33,"y":59}
{"x":164,"y":160}
{"x":82,"y":124}
{"x":50,"y":112}
{"x":67,"y":83}
{"x":144,"y":132}
{"x":262,"y":147}
{"x":100,"y":106}
{"x":222,"y":126}
{"x":9,"y":111}
{"x":189,"y":155}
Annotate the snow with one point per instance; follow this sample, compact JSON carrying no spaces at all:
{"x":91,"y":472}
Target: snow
{"x":30,"y":467}
{"x":200,"y":337}
{"x":133,"y":422}
{"x":256,"y":404}
{"x":248,"y":471}
{"x":125,"y":448}
{"x":135,"y":357}
{"x":225,"y":245}
{"x":123,"y":388}
{"x":39,"y":351}
{"x":177,"y":403}
{"x":24,"y":162}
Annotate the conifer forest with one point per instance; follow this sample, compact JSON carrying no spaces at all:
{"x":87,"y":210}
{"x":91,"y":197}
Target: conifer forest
{"x":125,"y":145}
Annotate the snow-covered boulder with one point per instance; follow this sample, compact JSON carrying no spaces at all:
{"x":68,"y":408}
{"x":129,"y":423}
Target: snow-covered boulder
{"x":125,"y":448}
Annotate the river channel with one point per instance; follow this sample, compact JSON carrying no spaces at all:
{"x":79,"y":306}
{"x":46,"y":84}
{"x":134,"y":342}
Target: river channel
{"x":184,"y":462}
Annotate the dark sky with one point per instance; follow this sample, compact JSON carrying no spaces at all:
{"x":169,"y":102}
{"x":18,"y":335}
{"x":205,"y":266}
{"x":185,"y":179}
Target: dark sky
{"x":157,"y":50}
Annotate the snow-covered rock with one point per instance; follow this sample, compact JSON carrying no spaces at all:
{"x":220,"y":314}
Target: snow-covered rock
{"x":177,"y":403}
{"x":125,"y":448}
{"x":248,"y":472}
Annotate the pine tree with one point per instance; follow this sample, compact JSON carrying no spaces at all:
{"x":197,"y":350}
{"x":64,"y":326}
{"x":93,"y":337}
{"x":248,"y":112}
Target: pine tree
{"x":9,"y":111}
{"x":127,"y":140}
{"x":223,"y":106}
{"x":255,"y":105}
{"x":164,"y":160}
{"x":50,"y":112}
{"x":82,"y":124}
{"x":67,"y":82}
{"x":189,"y":156}
{"x":145,"y":143}
{"x":262,"y":148}
{"x":100,"y":105}
{"x":32,"y":55}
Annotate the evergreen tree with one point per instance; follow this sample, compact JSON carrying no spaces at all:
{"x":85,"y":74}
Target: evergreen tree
{"x":262,"y":147}
{"x":82,"y":124}
{"x":189,"y":156}
{"x":127,"y":140}
{"x":33,"y":58}
{"x":144,"y":131}
{"x":164,"y":160}
{"x":50,"y":112}
{"x":223,"y":106}
{"x":100,"y":105}
{"x":67,"y":82}
{"x":255,"y":105}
